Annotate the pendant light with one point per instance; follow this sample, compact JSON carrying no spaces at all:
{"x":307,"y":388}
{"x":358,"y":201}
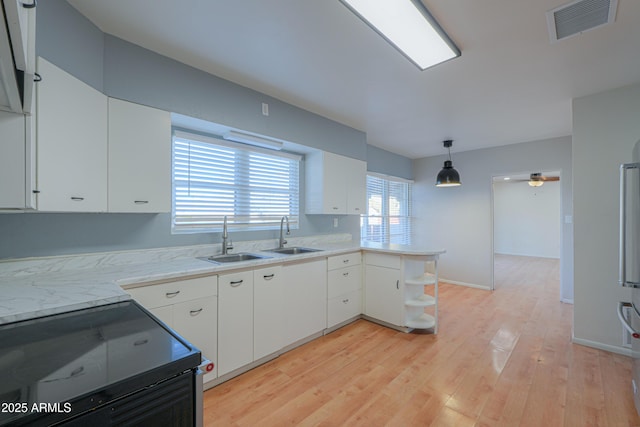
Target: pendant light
{"x":448,"y":176}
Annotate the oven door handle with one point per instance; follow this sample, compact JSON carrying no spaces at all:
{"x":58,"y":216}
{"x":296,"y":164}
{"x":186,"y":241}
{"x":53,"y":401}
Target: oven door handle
{"x":624,"y":321}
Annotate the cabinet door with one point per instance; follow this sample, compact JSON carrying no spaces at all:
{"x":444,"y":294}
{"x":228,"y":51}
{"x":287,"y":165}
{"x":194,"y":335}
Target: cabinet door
{"x":268,"y":321}
{"x":326,"y":192}
{"x":197,"y":322}
{"x":383,"y":294}
{"x":335,"y":185}
{"x":71,"y":143}
{"x":12,"y":161}
{"x":139,"y":158}
{"x":305,"y":298}
{"x":235,"y":321}
{"x":356,"y":186}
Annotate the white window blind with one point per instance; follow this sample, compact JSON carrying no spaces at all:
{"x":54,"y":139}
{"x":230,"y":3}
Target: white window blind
{"x":213,"y":178}
{"x":388,"y":218}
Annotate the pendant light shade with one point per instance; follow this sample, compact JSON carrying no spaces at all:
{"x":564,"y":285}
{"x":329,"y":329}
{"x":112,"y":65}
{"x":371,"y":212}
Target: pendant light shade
{"x":448,"y":176}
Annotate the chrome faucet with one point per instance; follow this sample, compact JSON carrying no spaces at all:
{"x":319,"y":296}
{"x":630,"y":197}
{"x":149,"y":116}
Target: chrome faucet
{"x":282,"y":241}
{"x":225,"y":236}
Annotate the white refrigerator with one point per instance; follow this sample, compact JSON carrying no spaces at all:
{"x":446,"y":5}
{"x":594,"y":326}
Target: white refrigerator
{"x":629,"y":259}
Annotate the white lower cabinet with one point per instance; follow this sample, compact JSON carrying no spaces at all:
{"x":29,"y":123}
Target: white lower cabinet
{"x":190,"y":307}
{"x":383,"y":297}
{"x":305,"y":299}
{"x":235,"y":321}
{"x":399,"y":293}
{"x":344,"y":288}
{"x":196,"y":321}
{"x":268,"y":314}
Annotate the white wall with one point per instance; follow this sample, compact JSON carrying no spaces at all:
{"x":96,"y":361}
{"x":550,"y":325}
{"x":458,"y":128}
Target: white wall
{"x":527,"y":219}
{"x":459,"y":218}
{"x":605,"y":128}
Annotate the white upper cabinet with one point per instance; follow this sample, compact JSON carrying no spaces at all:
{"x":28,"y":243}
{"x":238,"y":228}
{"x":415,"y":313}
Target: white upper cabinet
{"x":335,"y":184}
{"x":17,"y":52}
{"x":21,"y":23}
{"x":139,"y":158}
{"x":71,"y":143}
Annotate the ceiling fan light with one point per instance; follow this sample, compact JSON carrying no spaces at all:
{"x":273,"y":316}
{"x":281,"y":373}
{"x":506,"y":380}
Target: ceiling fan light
{"x":535,"y":183}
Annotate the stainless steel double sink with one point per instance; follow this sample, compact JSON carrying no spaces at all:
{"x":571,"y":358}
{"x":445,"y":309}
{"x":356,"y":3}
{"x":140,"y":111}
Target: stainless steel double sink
{"x":245,"y":256}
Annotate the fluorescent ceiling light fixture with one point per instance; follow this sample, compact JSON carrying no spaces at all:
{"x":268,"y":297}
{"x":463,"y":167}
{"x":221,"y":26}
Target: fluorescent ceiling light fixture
{"x":258,"y":141}
{"x":409,"y":27}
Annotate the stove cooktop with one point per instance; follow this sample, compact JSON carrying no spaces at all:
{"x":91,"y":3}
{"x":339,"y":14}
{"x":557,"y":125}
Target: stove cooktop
{"x":62,"y":358}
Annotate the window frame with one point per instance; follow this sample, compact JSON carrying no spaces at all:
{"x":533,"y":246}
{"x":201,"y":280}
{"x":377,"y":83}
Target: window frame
{"x":244,"y":155}
{"x":384,"y":235}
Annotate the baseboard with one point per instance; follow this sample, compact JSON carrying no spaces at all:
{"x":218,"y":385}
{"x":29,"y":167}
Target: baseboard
{"x":528,"y":255}
{"x":606,"y":347}
{"x":469,"y":285}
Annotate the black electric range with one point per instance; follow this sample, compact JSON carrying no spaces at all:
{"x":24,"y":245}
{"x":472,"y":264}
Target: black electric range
{"x":108,"y":365}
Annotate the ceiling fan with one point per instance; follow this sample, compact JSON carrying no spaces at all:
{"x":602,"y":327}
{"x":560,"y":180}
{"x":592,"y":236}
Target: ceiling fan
{"x":537,"y":179}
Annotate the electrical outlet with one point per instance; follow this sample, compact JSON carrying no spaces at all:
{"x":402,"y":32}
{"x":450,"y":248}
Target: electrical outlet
{"x":265,"y":109}
{"x":335,"y":222}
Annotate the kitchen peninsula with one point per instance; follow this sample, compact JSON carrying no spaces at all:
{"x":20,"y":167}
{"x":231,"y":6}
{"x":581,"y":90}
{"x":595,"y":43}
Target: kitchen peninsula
{"x":351,"y":284}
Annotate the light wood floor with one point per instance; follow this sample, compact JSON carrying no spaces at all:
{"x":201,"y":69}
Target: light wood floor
{"x":501,"y":358}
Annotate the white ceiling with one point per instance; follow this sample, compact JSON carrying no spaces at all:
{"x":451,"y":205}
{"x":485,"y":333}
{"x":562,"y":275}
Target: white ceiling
{"x":510,"y":85}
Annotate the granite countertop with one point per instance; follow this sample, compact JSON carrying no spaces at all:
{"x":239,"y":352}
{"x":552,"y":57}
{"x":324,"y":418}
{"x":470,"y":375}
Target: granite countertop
{"x":37,"y":288}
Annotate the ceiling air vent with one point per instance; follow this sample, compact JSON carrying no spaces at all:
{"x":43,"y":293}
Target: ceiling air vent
{"x":579,"y":16}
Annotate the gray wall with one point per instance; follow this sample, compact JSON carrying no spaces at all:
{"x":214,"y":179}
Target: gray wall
{"x":388,"y":163}
{"x":69,"y":40}
{"x":606,"y":127}
{"x":459,"y":219}
{"x":126,"y":71}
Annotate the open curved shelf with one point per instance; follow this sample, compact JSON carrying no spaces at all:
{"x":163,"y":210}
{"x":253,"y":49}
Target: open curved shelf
{"x":423,"y":300}
{"x":427,"y":279}
{"x":424,"y":321}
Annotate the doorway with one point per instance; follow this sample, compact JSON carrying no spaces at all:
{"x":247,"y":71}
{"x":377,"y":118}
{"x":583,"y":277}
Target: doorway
{"x":526,"y":223}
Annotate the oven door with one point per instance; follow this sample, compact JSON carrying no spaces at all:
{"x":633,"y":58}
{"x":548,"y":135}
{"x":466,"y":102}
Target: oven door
{"x":633,"y":326}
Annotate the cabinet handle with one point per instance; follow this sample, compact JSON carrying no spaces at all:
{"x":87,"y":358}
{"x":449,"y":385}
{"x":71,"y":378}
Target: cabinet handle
{"x":172,"y":294}
{"x":398,"y":284}
{"x":345,"y":300}
{"x":345,"y":261}
{"x":77,"y":199}
{"x":140,"y":342}
{"x":357,"y":209}
{"x":236,"y":283}
{"x":140,"y":202}
{"x":345,"y":274}
{"x":269,"y":276}
{"x":195,"y":312}
{"x":335,"y":208}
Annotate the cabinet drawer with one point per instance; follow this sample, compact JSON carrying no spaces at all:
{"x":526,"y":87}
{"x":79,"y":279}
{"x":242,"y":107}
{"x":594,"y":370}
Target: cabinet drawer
{"x":344,"y":307}
{"x":344,"y":280}
{"x":346,"y":260}
{"x":383,"y":260}
{"x":175,"y":292}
